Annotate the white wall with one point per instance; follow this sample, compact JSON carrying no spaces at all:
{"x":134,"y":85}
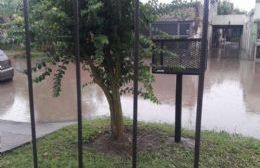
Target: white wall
{"x":229,"y":20}
{"x":247,"y":39}
{"x":213,"y":12}
{"x":257,"y":11}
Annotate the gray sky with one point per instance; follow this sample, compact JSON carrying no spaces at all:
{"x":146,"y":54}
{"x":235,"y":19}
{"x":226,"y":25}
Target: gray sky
{"x":242,"y":4}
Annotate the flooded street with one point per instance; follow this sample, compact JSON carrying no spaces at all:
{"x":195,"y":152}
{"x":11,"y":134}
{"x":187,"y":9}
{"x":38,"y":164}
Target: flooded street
{"x":231,"y":100}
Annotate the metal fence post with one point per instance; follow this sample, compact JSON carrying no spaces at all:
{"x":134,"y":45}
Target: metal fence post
{"x":30,"y":82}
{"x":78,"y":78}
{"x":136,"y":62}
{"x":178,"y":107}
{"x":201,"y":84}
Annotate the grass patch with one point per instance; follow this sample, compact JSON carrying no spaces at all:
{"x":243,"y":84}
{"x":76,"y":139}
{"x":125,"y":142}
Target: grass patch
{"x":219,"y":150}
{"x":19,"y":53}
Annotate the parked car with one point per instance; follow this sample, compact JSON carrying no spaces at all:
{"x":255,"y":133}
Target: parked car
{"x":6,"y":69}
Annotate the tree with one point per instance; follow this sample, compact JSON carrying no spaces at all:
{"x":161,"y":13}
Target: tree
{"x":12,"y":32}
{"x":226,"y":7}
{"x":9,"y":7}
{"x":11,"y":23}
{"x":106,"y":38}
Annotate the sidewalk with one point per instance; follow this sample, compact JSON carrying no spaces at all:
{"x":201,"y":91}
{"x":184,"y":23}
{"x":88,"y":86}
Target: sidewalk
{"x":16,"y":134}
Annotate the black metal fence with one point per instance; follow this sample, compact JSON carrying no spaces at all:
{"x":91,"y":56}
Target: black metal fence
{"x":200,"y":72}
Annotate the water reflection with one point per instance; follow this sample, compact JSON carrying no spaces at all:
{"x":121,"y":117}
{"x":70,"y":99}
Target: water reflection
{"x":64,"y":107}
{"x":16,"y":92}
{"x":232,"y":96}
{"x":251,"y":83}
{"x":7,"y":94}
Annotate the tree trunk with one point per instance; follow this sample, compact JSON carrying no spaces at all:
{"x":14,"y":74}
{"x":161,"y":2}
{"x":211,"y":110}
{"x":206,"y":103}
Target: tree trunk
{"x":113,"y":97}
{"x":116,"y":115}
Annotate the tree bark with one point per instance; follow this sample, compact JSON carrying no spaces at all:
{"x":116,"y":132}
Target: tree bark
{"x":116,"y":115}
{"x":114,"y":100}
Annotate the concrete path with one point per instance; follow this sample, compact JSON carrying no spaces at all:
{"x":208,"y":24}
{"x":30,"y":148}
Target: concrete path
{"x":15,"y":134}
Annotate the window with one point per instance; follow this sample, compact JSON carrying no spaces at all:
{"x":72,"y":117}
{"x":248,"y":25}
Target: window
{"x":258,"y":30}
{"x":258,"y":52}
{"x":173,"y":28}
{"x":184,"y":29}
{"x":169,"y":28}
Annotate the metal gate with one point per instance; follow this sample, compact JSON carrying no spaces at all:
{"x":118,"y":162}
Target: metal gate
{"x":200,"y":72}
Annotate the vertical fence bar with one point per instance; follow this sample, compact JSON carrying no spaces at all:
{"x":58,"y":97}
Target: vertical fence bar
{"x":136,"y":62}
{"x":201,"y":84}
{"x":161,"y":53}
{"x":30,"y":82}
{"x":78,"y":78}
{"x":178,"y":108}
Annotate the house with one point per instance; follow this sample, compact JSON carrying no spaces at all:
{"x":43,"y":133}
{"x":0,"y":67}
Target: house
{"x":256,"y":31}
{"x":182,"y":23}
{"x":246,"y":27}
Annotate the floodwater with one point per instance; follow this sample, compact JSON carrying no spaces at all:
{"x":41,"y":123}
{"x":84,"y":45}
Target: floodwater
{"x":231,"y":100}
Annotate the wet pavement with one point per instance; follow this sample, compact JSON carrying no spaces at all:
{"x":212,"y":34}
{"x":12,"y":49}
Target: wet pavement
{"x":231,"y":102}
{"x":15,"y":134}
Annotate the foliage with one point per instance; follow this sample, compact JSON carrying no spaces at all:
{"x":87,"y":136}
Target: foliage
{"x":9,"y":7}
{"x":12,"y":32}
{"x":226,"y":7}
{"x":217,"y":150}
{"x":11,"y":23}
{"x":153,"y":9}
